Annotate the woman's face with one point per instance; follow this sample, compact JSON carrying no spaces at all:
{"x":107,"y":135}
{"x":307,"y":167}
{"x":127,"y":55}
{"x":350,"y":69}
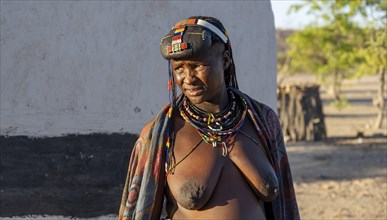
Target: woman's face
{"x":201,"y":79}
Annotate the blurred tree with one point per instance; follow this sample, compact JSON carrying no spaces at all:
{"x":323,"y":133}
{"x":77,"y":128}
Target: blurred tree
{"x":327,"y":46}
{"x":282,"y":56}
{"x":347,"y":39}
{"x":374,"y":51}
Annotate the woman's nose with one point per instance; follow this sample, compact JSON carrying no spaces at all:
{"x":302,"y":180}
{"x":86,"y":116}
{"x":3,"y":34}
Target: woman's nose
{"x":189,"y":76}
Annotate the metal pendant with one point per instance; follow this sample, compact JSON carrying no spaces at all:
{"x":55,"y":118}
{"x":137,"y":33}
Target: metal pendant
{"x":224,"y":149}
{"x":214,"y":144}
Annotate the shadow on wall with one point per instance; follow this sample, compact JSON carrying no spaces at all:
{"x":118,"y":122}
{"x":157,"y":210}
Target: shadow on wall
{"x":74,"y":175}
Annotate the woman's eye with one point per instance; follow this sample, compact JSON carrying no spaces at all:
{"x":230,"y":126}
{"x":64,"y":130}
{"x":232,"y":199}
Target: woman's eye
{"x":178,"y":69}
{"x":201,"y":67}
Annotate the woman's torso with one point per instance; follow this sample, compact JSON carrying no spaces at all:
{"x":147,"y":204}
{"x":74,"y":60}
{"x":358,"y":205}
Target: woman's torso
{"x":208,"y":185}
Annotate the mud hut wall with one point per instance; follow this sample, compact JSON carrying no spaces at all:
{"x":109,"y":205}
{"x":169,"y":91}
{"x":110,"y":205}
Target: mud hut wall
{"x":95,"y":66}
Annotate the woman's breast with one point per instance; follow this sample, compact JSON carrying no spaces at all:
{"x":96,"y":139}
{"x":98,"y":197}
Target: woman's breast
{"x":196,"y":177}
{"x":224,"y":194}
{"x":206,"y":185}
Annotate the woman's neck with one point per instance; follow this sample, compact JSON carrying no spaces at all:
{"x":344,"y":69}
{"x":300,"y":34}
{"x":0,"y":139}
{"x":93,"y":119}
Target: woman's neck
{"x":217,"y":104}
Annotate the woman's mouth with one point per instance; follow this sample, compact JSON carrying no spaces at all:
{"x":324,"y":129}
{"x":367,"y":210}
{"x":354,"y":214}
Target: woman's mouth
{"x":195,"y":91}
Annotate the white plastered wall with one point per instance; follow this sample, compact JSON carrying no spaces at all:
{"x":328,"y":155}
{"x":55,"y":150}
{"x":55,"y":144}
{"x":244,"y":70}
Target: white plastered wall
{"x":94,"y":66}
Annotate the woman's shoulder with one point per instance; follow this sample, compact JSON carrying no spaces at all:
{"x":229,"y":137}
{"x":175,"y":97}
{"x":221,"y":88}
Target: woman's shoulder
{"x":147,"y":127}
{"x":260,"y":106}
{"x":263,"y":107}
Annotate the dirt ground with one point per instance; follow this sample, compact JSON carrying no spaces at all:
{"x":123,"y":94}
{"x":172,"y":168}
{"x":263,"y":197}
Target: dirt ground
{"x":346,"y":176}
{"x":340,"y":182}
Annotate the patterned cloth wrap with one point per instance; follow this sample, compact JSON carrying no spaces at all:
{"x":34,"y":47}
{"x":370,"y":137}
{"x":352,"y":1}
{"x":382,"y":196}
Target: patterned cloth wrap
{"x":146,"y":174}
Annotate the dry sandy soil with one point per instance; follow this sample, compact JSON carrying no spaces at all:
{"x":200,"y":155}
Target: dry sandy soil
{"x":344,"y":177}
{"x":340,"y":182}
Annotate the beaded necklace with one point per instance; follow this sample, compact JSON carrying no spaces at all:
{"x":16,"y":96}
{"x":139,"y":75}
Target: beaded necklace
{"x":217,"y":129}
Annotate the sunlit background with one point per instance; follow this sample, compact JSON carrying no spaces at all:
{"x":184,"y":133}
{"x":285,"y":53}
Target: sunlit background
{"x":284,"y":20}
{"x":331,"y":63}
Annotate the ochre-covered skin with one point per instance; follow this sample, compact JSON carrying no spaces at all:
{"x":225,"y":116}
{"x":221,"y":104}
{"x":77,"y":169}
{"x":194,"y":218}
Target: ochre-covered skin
{"x":205,"y":184}
{"x":208,"y":185}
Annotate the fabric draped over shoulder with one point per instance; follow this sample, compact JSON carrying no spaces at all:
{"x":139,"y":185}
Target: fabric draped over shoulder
{"x":144,"y":187}
{"x":145,"y":180}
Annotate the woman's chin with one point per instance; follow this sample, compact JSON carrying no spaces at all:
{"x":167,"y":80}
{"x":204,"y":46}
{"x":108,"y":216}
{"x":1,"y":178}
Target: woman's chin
{"x":196,"y":100}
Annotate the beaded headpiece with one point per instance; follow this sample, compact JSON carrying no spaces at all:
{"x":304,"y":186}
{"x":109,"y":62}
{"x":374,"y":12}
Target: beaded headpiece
{"x":197,"y":38}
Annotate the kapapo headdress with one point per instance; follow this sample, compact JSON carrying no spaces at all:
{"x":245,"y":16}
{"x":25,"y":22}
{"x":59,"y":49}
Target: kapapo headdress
{"x":187,"y":39}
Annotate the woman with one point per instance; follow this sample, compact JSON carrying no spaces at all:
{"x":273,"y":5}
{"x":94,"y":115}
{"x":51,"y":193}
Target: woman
{"x":223,"y":152}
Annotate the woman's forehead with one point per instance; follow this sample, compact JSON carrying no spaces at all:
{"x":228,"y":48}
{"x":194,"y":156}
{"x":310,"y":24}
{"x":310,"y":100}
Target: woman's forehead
{"x":189,"y":61}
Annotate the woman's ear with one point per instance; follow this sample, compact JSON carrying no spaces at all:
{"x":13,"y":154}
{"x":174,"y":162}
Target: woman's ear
{"x":226,"y":59}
